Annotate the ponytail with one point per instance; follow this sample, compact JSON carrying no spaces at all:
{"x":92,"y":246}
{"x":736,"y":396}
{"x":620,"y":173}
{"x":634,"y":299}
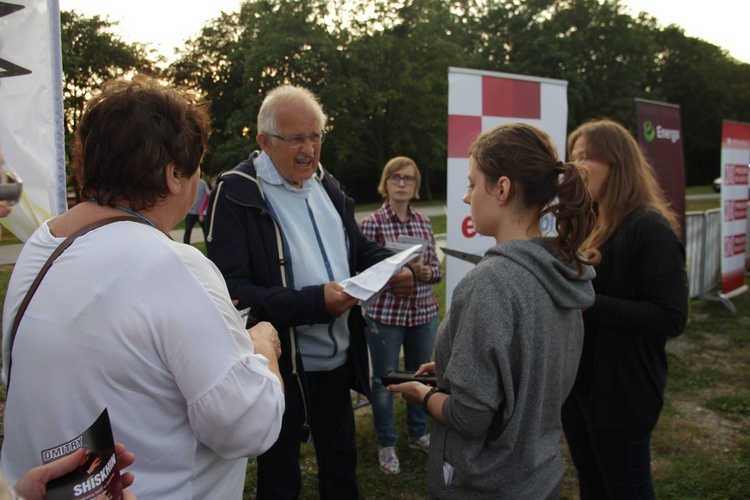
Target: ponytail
{"x":574,"y":214}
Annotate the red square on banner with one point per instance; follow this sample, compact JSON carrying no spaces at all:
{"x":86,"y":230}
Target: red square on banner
{"x":462,"y":130}
{"x":511,"y":98}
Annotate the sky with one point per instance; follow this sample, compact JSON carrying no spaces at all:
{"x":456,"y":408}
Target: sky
{"x":166,"y":24}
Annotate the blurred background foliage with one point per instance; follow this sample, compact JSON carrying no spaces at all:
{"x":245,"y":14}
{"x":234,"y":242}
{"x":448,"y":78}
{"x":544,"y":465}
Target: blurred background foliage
{"x":380,"y":70}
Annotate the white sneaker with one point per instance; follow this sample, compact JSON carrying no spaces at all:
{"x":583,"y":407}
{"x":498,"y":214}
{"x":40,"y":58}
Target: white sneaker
{"x":421,"y":444}
{"x":388,"y":460}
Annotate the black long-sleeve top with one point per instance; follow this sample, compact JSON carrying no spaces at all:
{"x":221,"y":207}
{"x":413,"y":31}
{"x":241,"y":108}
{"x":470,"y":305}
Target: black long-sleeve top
{"x":641,"y":300}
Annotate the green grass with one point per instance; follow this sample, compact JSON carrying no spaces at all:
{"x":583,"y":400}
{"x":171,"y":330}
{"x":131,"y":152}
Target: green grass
{"x":439,"y":224}
{"x":702,"y":205}
{"x":730,"y":405}
{"x":6,"y":237}
{"x":699,"y":190}
{"x":701,"y":445}
{"x":702,"y":441}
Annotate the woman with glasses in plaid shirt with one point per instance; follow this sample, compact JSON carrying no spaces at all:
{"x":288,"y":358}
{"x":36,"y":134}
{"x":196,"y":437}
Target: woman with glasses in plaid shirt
{"x":393,"y":322}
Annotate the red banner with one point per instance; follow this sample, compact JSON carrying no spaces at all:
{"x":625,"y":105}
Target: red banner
{"x":735,"y":156}
{"x":660,"y":137}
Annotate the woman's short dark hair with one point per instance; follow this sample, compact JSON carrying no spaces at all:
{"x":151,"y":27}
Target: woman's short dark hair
{"x":130,"y":132}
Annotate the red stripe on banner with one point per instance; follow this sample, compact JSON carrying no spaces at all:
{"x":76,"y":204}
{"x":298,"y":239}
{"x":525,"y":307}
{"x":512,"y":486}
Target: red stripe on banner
{"x":735,"y":134}
{"x":511,"y":98}
{"x":732,"y":281}
{"x":462,"y":130}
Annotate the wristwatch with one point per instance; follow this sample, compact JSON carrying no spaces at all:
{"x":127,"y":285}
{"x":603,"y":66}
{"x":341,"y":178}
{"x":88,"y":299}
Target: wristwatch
{"x":427,"y":397}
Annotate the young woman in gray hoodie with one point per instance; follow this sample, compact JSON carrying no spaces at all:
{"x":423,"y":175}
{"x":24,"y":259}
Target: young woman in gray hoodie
{"x":508,"y":348}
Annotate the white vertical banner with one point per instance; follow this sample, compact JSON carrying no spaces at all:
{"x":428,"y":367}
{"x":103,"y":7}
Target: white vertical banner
{"x":479,"y":101}
{"x":31,"y":110}
{"x":735,"y":158}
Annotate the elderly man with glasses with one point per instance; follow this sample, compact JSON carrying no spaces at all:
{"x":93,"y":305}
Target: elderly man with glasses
{"x":283,"y":233}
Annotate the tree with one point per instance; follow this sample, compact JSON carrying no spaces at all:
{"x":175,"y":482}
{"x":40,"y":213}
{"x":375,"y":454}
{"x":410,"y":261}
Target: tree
{"x":240,"y":56}
{"x":212,"y":64}
{"x":91,"y":55}
{"x":380,"y":71}
{"x":603,"y":54}
{"x":382,"y":79}
{"x":694,"y":74}
{"x":395,"y":92}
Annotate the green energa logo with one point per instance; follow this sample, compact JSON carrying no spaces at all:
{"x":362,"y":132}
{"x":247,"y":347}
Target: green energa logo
{"x":649,"y":132}
{"x":658,"y":132}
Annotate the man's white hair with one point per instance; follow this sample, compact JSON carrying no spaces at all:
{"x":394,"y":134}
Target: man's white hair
{"x":298,"y":97}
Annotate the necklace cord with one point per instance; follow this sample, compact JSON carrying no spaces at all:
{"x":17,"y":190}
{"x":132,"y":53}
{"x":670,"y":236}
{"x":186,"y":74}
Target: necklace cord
{"x":125,"y":209}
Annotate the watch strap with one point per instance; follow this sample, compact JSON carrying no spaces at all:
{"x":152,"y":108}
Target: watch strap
{"x":427,"y":397}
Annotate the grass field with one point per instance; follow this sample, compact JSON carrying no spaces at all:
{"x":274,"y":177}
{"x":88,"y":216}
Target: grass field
{"x":701,"y":446}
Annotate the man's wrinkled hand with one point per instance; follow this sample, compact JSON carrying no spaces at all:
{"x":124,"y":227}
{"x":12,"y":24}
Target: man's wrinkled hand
{"x":337,"y":301}
{"x":402,"y":283}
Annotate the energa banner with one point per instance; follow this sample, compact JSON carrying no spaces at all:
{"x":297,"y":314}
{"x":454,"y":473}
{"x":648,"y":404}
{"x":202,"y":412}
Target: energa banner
{"x":660,"y":137}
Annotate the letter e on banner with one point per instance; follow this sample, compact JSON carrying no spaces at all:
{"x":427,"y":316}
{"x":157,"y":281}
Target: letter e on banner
{"x":467,"y":228}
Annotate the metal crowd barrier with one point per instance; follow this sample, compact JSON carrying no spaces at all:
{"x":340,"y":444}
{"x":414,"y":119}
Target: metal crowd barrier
{"x":703,"y":247}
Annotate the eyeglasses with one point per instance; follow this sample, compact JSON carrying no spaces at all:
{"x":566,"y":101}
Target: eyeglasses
{"x":396,"y":179}
{"x":296,"y":141}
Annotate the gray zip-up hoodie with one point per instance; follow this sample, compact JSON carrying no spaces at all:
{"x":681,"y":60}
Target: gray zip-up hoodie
{"x":508,"y":352}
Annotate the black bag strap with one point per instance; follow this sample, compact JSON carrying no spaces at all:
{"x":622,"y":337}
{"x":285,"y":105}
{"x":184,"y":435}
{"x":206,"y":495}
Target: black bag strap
{"x":43,"y":271}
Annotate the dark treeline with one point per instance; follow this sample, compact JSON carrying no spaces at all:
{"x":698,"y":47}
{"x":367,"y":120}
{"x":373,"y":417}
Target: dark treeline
{"x":380,"y":69}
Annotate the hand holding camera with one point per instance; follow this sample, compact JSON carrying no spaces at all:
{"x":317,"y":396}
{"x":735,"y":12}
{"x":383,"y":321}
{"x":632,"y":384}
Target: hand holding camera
{"x":11,"y":186}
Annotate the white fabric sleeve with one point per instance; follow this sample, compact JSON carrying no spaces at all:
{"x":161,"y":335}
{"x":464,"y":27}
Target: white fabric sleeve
{"x":235,"y":403}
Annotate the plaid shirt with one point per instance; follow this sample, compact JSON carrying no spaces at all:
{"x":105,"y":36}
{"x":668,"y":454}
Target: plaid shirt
{"x":420,"y":307}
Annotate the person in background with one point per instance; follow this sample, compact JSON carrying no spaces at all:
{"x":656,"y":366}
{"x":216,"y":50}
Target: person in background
{"x":507,"y":350}
{"x":641,"y":300}
{"x":194,"y":215}
{"x":202,"y":210}
{"x":394,"y":322}
{"x":129,"y":320}
{"x":283,"y":233}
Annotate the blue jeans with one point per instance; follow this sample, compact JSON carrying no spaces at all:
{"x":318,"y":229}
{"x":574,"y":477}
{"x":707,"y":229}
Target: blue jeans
{"x":385,"y":343}
{"x":611,"y":464}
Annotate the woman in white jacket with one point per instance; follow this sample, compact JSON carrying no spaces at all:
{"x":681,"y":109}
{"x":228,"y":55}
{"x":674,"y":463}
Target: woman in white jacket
{"x":129,"y":320}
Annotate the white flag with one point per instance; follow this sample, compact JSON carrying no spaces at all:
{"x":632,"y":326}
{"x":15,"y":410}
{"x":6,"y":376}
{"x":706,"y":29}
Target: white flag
{"x":31,"y":110}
